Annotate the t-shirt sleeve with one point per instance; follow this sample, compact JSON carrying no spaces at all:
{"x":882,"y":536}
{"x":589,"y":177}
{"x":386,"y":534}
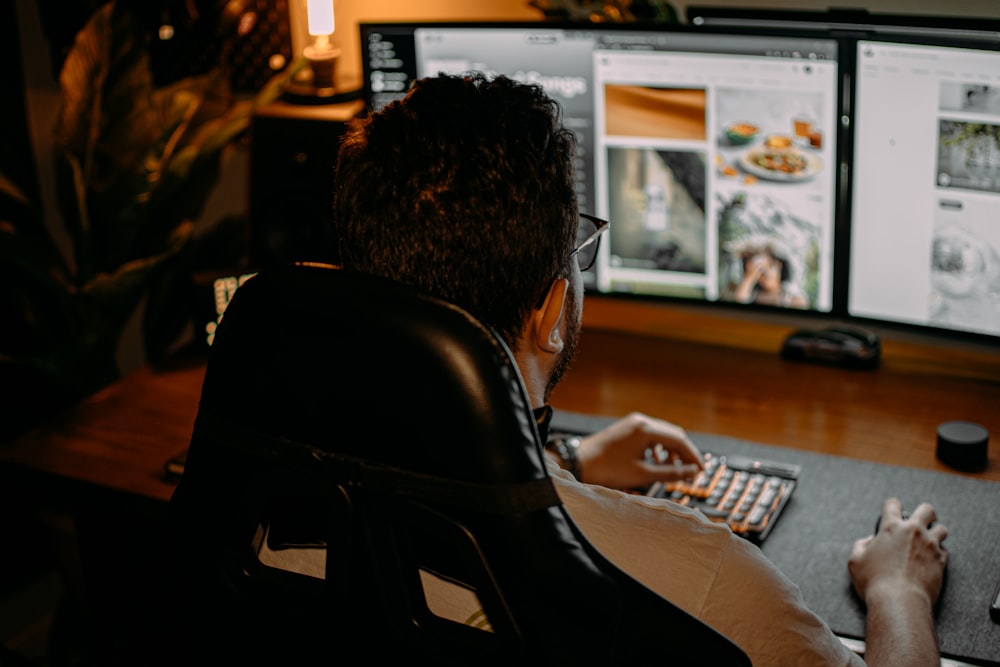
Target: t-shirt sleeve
{"x":763,"y":610}
{"x":707,"y":570}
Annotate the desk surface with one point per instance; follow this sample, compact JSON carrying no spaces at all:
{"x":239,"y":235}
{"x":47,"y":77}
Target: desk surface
{"x":884,"y":416}
{"x":121,"y":436}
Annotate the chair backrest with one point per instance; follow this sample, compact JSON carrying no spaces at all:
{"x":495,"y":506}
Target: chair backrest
{"x":388,"y":434}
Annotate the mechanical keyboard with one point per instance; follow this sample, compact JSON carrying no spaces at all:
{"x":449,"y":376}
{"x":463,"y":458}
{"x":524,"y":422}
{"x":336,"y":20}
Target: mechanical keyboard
{"x":745,"y":493}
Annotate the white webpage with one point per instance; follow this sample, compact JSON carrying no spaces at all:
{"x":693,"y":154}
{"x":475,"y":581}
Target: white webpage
{"x":925,"y":216}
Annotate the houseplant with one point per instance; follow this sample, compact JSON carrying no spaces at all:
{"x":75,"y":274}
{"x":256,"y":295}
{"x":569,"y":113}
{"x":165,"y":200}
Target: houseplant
{"x":135,"y":164}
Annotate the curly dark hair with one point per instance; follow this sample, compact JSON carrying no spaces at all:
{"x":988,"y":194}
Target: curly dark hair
{"x":466,"y":189}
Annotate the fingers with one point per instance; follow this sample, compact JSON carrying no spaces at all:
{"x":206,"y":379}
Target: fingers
{"x":938,"y":532}
{"x":892,"y":509}
{"x":858,"y":549}
{"x":665,"y":465}
{"x":670,"y":472}
{"x":637,"y":451}
{"x":924,"y":515}
{"x":656,"y":440}
{"x":674,"y":453}
{"x":670,"y":439}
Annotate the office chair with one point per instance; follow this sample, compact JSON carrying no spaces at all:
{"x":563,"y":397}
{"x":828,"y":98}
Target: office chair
{"x":389,"y":432}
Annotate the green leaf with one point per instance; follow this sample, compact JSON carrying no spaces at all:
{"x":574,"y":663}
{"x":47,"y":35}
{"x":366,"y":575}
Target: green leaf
{"x":135,"y":164}
{"x":24,"y":240}
{"x":105,"y":128}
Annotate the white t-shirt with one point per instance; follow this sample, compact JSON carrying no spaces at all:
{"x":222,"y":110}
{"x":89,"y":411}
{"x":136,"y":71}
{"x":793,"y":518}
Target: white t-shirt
{"x":706,"y":570}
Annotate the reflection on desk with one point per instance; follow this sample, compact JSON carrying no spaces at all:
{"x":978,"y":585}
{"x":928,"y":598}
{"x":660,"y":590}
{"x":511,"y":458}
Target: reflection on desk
{"x":889,"y":415}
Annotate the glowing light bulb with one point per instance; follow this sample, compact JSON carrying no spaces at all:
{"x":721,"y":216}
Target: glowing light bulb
{"x":319,"y":15}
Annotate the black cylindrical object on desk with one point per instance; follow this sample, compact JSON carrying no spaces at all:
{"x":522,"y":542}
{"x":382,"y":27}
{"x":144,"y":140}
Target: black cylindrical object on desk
{"x":963,"y":445}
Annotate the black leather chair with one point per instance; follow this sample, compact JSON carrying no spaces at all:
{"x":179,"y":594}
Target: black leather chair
{"x":390,"y":431}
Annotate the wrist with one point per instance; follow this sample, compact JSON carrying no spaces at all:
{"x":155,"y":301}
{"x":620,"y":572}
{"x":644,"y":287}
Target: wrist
{"x":896,"y":594}
{"x":567,"y":448}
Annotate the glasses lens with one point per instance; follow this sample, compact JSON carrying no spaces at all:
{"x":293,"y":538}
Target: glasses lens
{"x":587,"y":242}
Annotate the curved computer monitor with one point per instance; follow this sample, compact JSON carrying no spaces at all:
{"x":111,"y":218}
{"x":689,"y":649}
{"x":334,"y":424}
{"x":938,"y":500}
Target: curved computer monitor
{"x":925,"y":185}
{"x":854,"y":20}
{"x":714,"y":154}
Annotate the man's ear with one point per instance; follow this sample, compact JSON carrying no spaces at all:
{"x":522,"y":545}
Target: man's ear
{"x":547,"y":324}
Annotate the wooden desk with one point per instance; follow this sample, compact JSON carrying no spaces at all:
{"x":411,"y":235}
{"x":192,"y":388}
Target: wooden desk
{"x":881,"y":416}
{"x":719,"y":375}
{"x":120,"y":438}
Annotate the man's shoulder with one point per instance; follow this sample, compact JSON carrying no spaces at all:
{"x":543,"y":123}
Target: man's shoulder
{"x":636,"y":514}
{"x":704,"y":568}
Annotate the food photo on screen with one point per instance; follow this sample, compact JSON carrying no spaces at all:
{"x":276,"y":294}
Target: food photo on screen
{"x":775,"y":136}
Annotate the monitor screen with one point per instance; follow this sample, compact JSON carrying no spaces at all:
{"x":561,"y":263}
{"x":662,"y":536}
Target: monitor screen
{"x":925,"y":185}
{"x":714,"y":154}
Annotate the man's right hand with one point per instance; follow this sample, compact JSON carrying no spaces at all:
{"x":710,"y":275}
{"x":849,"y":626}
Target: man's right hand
{"x":898,"y":572}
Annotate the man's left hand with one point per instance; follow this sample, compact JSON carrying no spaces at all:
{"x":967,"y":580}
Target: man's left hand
{"x":616,"y":457}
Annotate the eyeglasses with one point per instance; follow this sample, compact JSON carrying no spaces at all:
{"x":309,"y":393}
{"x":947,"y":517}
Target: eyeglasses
{"x":588,"y":240}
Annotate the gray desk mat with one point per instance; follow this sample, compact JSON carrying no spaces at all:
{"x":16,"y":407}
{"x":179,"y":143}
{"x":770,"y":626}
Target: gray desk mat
{"x":837,"y":500}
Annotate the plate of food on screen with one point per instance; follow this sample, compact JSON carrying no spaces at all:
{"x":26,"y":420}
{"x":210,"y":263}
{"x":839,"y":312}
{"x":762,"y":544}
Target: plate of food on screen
{"x":780,"y":164}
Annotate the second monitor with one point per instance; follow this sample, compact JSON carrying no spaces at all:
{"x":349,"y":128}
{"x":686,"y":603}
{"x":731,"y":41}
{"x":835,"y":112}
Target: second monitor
{"x":925,"y":214}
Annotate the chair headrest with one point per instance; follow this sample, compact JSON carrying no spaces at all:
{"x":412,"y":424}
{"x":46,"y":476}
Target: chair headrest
{"x":326,"y":357}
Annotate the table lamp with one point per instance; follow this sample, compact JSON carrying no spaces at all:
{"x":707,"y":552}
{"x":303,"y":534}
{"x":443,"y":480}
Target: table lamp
{"x":313,"y":26}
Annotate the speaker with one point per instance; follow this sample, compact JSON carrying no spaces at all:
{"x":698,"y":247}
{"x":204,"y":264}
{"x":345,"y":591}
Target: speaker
{"x":293,"y":154}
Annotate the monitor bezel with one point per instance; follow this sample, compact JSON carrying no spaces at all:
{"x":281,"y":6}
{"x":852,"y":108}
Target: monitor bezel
{"x":851,"y":21}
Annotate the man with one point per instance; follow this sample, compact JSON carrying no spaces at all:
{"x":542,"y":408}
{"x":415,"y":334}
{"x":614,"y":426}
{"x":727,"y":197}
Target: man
{"x":466,"y":190}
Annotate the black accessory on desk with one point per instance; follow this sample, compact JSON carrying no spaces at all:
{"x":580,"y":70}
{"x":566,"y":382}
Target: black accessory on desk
{"x":174,"y":467}
{"x":963,"y":445}
{"x":745,"y":493}
{"x":849,"y":347}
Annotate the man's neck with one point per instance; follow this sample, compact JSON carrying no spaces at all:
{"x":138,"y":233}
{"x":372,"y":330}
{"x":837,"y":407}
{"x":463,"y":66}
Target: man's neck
{"x":535,"y":376}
